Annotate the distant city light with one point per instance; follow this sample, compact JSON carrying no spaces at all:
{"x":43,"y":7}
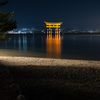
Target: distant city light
{"x":63,"y":30}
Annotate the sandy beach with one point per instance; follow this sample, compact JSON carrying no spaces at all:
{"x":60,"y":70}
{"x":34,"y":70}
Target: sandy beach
{"x":20,"y":61}
{"x":50,"y":79}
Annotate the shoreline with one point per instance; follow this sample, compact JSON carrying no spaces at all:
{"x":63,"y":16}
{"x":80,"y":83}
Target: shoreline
{"x":16,"y":53}
{"x":20,"y":61}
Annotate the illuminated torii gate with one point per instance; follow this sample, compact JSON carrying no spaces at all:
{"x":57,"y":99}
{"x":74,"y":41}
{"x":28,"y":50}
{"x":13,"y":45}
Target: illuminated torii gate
{"x":53,"y":25}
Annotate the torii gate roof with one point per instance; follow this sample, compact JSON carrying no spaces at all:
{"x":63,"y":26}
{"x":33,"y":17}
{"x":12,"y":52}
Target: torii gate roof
{"x":51,"y":23}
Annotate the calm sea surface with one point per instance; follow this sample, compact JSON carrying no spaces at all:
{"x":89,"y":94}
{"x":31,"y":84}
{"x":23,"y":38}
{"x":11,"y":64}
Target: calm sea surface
{"x":65,"y":47}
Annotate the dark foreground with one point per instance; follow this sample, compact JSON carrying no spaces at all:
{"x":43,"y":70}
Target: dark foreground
{"x":57,"y":82}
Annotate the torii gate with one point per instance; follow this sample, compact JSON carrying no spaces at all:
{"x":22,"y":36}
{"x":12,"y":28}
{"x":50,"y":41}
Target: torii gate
{"x":53,"y":25}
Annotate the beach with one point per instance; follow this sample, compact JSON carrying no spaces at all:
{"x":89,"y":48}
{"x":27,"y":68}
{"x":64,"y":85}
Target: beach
{"x":50,"y":79}
{"x":20,"y":61}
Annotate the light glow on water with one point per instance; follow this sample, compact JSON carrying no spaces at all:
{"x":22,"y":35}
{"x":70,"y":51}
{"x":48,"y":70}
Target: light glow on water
{"x":53,"y":45}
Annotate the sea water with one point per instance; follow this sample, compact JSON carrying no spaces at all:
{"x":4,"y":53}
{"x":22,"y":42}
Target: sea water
{"x":52,"y":46}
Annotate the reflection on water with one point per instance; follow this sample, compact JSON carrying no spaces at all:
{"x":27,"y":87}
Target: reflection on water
{"x":53,"y":45}
{"x":25,"y":43}
{"x":24,"y":40}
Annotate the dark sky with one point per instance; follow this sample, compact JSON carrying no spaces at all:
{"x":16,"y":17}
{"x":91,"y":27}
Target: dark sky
{"x":80,"y":14}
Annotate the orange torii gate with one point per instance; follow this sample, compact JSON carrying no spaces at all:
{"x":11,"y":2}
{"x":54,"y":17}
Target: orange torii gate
{"x":53,"y":25}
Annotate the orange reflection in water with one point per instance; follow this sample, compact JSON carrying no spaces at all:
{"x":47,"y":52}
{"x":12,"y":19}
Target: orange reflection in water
{"x":53,"y":45}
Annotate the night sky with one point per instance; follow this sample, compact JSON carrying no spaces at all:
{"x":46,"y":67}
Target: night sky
{"x":82,"y":14}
